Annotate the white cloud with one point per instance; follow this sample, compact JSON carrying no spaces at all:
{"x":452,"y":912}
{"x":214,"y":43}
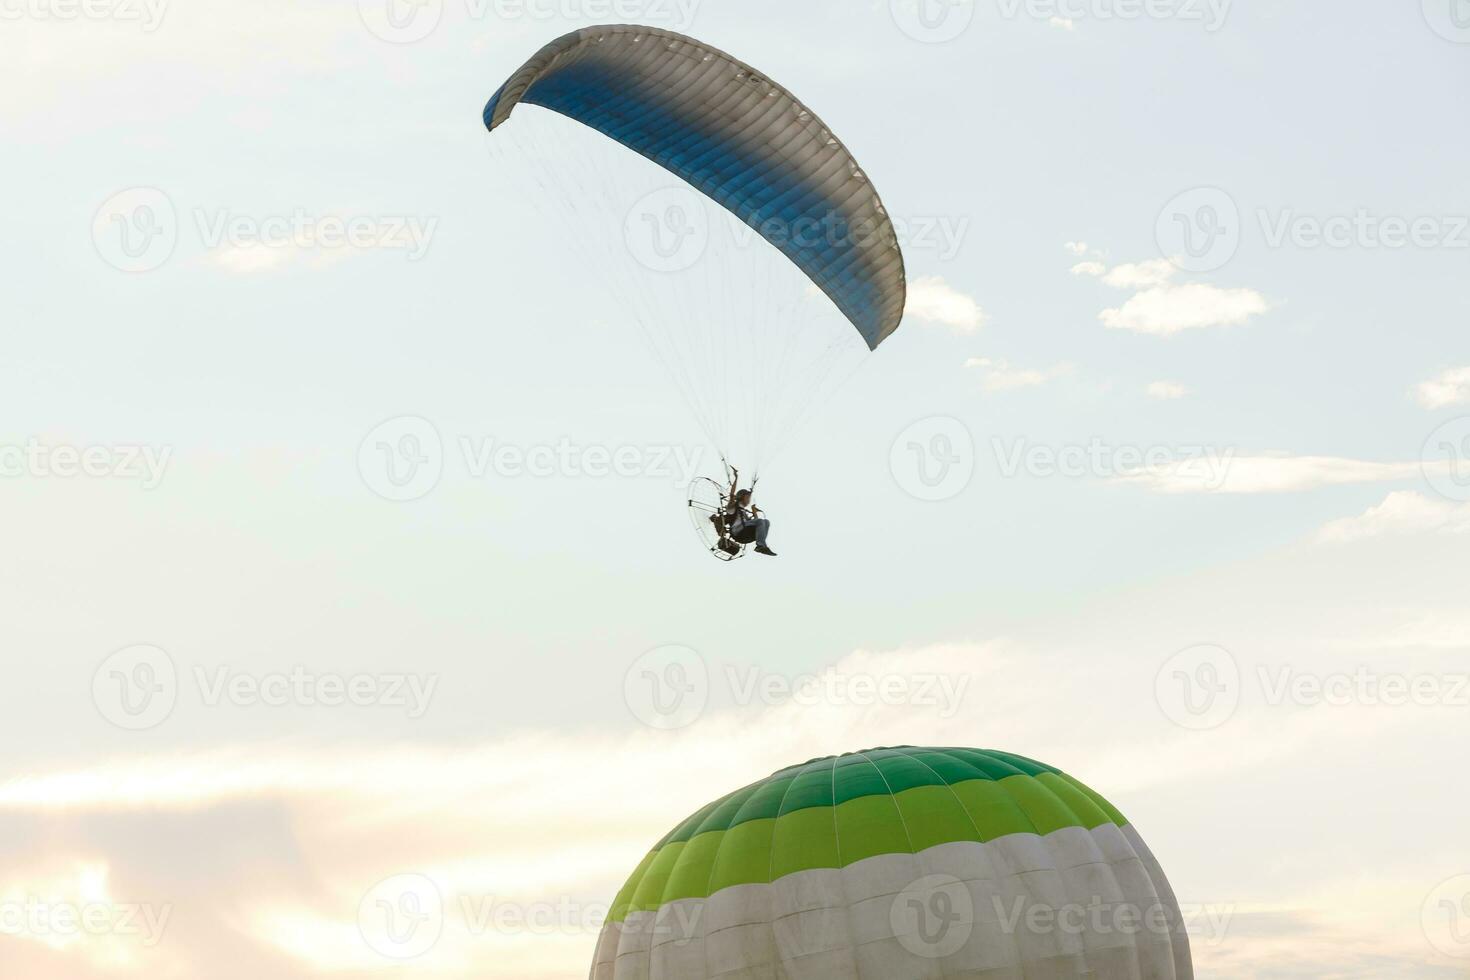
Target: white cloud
{"x":1237,"y":474}
{"x":999,"y":375}
{"x":1438,"y":630}
{"x":1140,"y":275}
{"x":135,"y":63}
{"x":1065,"y":23}
{"x":1129,"y":275}
{"x":1449,"y":388}
{"x":1166,"y":391}
{"x":1166,"y":310}
{"x":933,"y":300}
{"x":248,"y":259}
{"x":1084,"y":250}
{"x":527,"y":823}
{"x":1402,"y":512}
{"x":255,"y":258}
{"x":1163,"y":307}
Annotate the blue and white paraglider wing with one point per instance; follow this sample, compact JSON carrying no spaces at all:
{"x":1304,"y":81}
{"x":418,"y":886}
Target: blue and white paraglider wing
{"x":740,"y":139}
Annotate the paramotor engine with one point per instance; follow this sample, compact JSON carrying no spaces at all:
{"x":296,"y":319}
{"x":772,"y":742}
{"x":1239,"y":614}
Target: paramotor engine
{"x":708,"y":506}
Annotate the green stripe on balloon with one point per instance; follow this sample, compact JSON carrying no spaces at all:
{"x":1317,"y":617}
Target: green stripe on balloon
{"x":832,"y":813}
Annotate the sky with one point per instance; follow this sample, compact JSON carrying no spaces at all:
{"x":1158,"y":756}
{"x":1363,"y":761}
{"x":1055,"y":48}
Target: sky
{"x":1165,"y":480}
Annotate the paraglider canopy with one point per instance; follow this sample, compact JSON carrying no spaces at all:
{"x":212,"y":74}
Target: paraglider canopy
{"x":740,"y":139}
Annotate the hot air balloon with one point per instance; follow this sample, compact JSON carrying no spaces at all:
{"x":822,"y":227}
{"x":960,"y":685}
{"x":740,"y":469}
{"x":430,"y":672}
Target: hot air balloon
{"x":900,"y":864}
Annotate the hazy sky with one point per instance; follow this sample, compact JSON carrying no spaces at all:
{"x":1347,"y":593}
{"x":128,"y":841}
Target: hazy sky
{"x":1164,"y":481}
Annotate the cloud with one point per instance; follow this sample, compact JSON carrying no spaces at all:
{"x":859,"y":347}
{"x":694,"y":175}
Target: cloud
{"x":933,"y":300}
{"x":1436,"y":631}
{"x":523,"y":824}
{"x":1162,"y":307}
{"x":135,"y":59}
{"x":1403,"y":512}
{"x":1078,"y":248}
{"x":1129,"y":275}
{"x":1140,"y":275}
{"x":1065,"y":23}
{"x":1448,"y":389}
{"x":548,"y":825}
{"x":1304,"y":943}
{"x":1163,"y":311}
{"x":45,"y":885}
{"x":1166,"y":391}
{"x":999,"y":375}
{"x":249,"y":259}
{"x":1236,"y":474}
{"x":255,"y":258}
